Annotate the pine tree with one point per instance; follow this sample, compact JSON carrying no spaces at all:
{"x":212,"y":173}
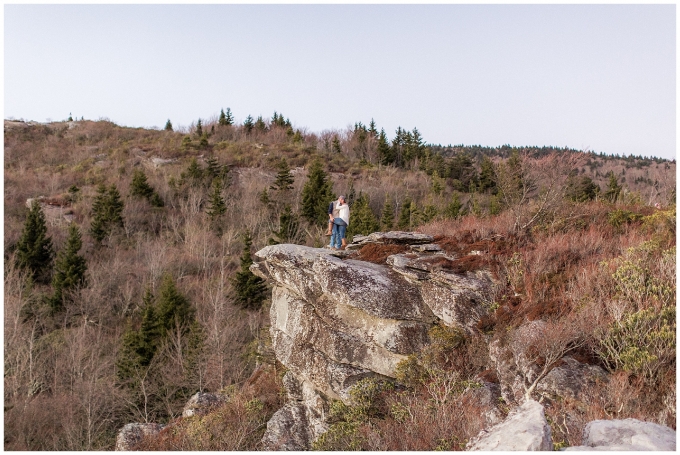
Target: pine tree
{"x":115,"y":207}
{"x":186,"y":143}
{"x":168,"y":125}
{"x":248,"y":124}
{"x":317,"y":194}
{"x":284,"y":179}
{"x":173,"y":309}
{"x":128,"y":361}
{"x":199,"y":128}
{"x":107,"y":212}
{"x":487,"y":177}
{"x":384,"y":150}
{"x":429,"y":213}
{"x":217,"y":205}
{"x":404,"y":222}
{"x":363,"y":220}
{"x":387,"y":215}
{"x":203,"y":142}
{"x":229,"y":119}
{"x":613,"y":188}
{"x":140,"y":185}
{"x":260,"y":125}
{"x":372,"y":129}
{"x":437,"y":183}
{"x":336,"y":145}
{"x":452,"y":209}
{"x":149,"y":332}
{"x":194,"y":172}
{"x":289,"y":227}
{"x":34,"y":250}
{"x":416,"y":216}
{"x":69,"y":269}
{"x":223,"y":118}
{"x":250,"y":289}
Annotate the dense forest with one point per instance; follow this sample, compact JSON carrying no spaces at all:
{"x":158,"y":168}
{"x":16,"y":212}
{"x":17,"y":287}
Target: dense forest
{"x":127,"y":287}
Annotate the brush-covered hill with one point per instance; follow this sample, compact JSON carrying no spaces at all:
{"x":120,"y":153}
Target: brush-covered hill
{"x":150,"y":299}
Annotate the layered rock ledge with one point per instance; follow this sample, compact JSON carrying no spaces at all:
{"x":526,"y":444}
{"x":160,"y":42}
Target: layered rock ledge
{"x":336,"y":321}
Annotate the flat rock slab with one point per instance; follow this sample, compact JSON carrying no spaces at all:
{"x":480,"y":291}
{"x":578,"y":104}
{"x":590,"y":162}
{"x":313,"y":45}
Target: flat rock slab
{"x":629,"y":434}
{"x":392,"y":237}
{"x":525,"y":429}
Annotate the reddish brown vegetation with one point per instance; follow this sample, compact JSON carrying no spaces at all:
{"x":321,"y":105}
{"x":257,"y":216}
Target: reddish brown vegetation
{"x":378,"y":253}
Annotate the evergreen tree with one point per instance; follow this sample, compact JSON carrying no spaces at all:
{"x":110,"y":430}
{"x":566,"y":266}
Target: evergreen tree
{"x":385,"y":154}
{"x":284,"y":179}
{"x":387,"y":215}
{"x":186,"y":143}
{"x":199,"y":128}
{"x":203,"y":142}
{"x":217,"y":204}
{"x":429,"y":213}
{"x":416,"y":216}
{"x":149,"y":332}
{"x":229,"y":118}
{"x":248,"y":124}
{"x":250,"y":289}
{"x":336,"y":145}
{"x":260,"y":125}
{"x":223,"y":118}
{"x":404,"y":222}
{"x":289,"y":227}
{"x":194,"y":172}
{"x":70,"y":118}
{"x":372,"y":129}
{"x":34,"y":250}
{"x":140,"y":185}
{"x":129,"y":362}
{"x":452,"y":209}
{"x":437,"y":183}
{"x":487,"y":177}
{"x":168,"y":125}
{"x":363,"y":220}
{"x":173,"y":309}
{"x":613,"y":188}
{"x":69,"y":269}
{"x":317,"y":194}
{"x":107,"y":212}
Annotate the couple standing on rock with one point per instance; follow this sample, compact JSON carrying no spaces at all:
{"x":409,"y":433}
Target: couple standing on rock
{"x":338,"y":214}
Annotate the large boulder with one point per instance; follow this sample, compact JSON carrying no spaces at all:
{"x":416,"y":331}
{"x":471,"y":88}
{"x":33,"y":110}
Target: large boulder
{"x":525,"y":429}
{"x":335,"y":321}
{"x":201,"y":403}
{"x":629,"y":434}
{"x":132,"y":433}
{"x":569,"y":378}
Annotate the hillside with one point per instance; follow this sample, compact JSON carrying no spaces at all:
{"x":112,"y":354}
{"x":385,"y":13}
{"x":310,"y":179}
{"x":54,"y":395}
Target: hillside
{"x":160,"y":313}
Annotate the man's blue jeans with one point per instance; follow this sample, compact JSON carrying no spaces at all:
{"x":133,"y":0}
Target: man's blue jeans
{"x":339,"y":229}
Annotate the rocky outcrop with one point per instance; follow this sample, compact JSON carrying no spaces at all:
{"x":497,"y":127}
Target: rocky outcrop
{"x":569,"y":378}
{"x":335,"y":321}
{"x":525,"y":429}
{"x":57,"y":212}
{"x":132,"y":433}
{"x":629,"y":434}
{"x":201,"y":403}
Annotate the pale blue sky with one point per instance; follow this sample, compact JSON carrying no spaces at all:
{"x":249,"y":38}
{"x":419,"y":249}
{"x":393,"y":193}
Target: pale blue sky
{"x":600,"y":77}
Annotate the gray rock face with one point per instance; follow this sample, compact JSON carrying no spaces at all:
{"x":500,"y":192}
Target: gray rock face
{"x":201,"y":403}
{"x":335,"y":322}
{"x":132,"y":433}
{"x":525,"y":429}
{"x":568,"y":379}
{"x":629,"y":434}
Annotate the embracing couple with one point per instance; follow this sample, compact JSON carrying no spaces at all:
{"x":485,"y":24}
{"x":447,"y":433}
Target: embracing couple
{"x":338,"y":214}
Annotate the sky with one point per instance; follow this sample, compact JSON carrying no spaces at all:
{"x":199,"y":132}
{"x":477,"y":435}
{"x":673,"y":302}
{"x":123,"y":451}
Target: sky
{"x":590,"y":77}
